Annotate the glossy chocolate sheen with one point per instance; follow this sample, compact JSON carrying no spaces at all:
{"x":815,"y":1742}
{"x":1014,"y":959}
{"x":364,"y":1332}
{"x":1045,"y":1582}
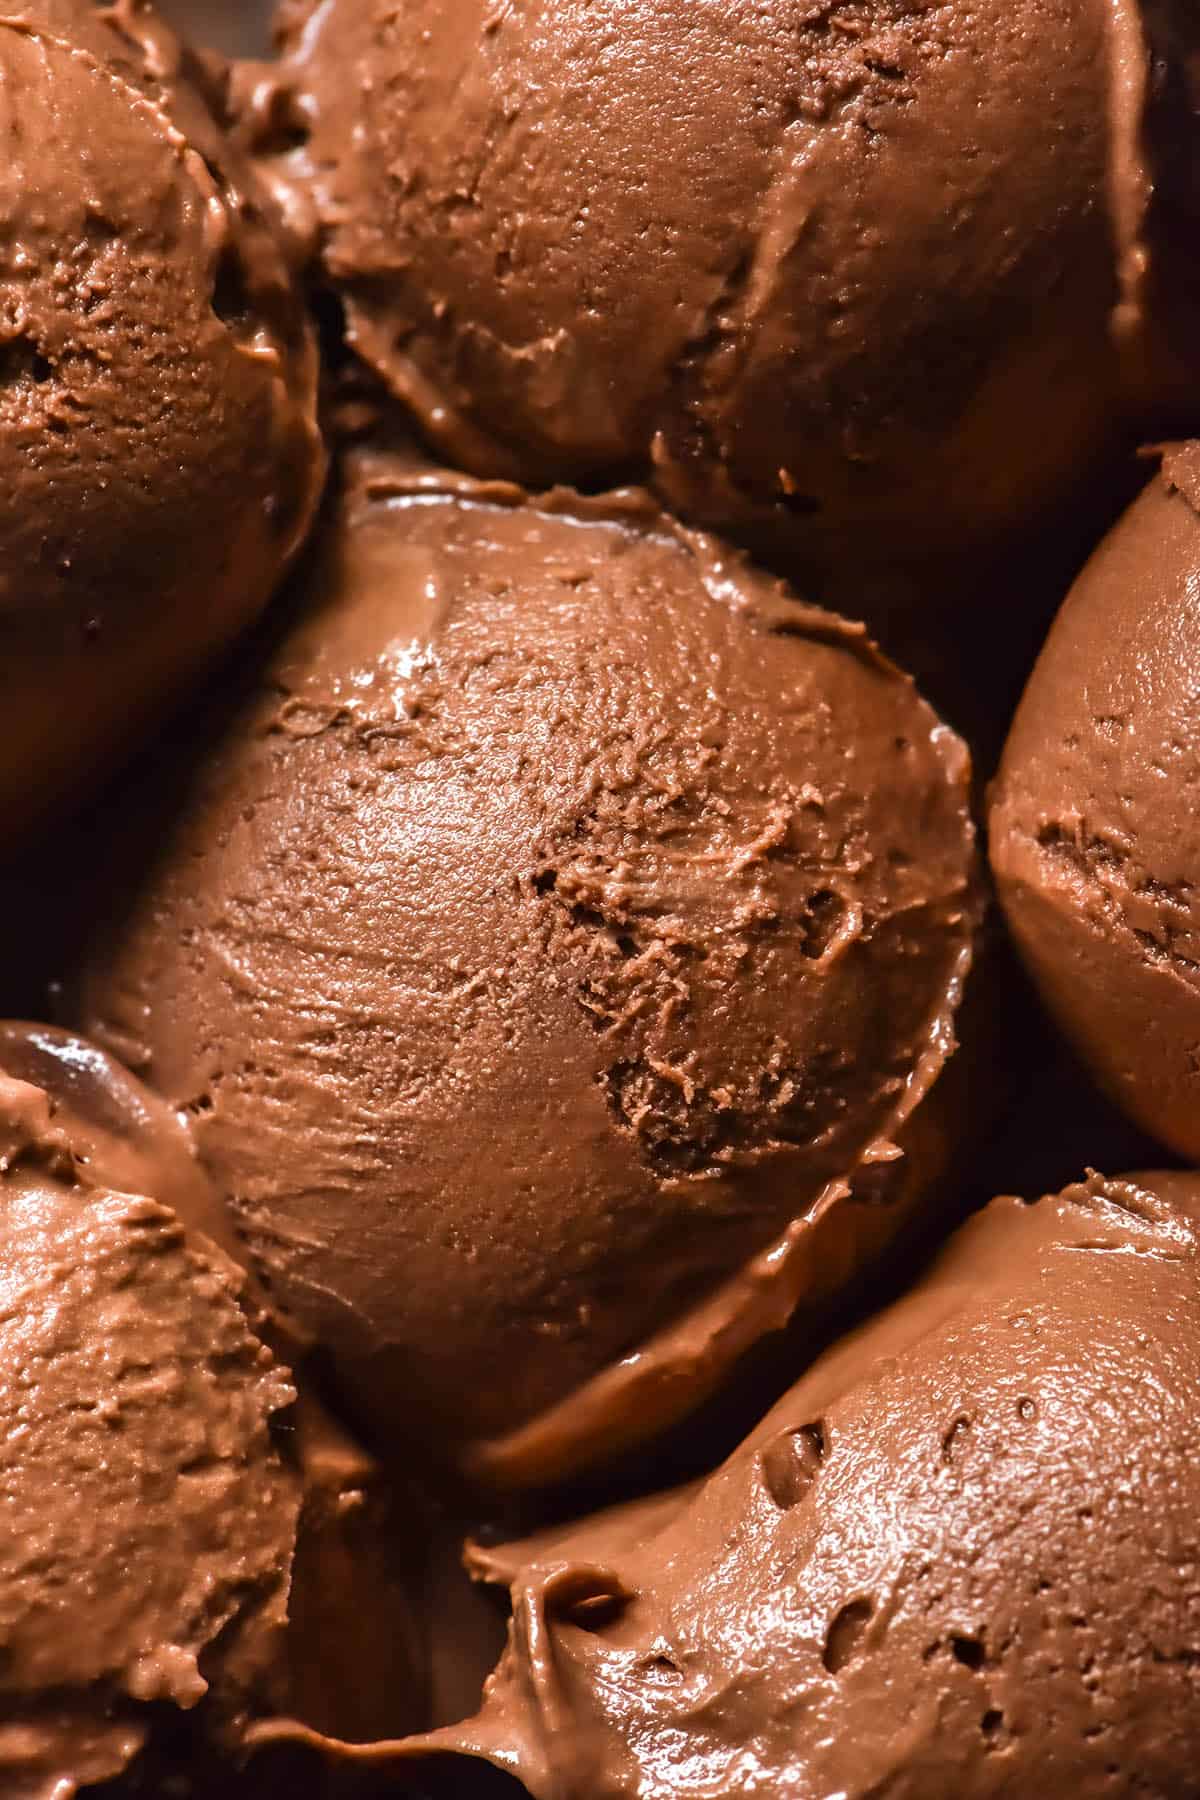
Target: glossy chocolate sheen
{"x":563,"y":922}
{"x":158,"y":446}
{"x":148,"y":1520}
{"x":959,"y":1559}
{"x":349,"y":1655}
{"x":870,"y":276}
{"x":1094,"y":817}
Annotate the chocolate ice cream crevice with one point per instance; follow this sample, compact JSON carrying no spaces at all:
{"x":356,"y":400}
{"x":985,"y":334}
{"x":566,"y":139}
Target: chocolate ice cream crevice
{"x":1130,"y":182}
{"x":1154,"y":192}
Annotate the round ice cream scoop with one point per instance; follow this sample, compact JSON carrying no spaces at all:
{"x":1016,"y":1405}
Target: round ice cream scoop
{"x":957,"y":1559}
{"x":348,"y":1655}
{"x":158,"y":449}
{"x":1095,"y":813}
{"x":862,"y":276}
{"x":560,"y":924}
{"x":148,"y":1520}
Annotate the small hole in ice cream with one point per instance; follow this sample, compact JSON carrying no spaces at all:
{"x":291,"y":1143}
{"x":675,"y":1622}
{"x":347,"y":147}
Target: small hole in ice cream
{"x":954,"y":1438}
{"x":845,"y":1632}
{"x":590,"y":1599}
{"x":660,"y":1665}
{"x":230,"y":299}
{"x":968,"y":1651}
{"x":595,"y":1612}
{"x":822,"y":922}
{"x":791,"y":1462}
{"x":22,"y":363}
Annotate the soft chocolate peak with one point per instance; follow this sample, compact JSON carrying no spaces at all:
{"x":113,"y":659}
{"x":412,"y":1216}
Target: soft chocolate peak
{"x":158,"y":447}
{"x":147,"y":1518}
{"x":565,"y":914}
{"x":848,"y":271}
{"x":350,"y":1656}
{"x":958,"y":1559}
{"x":1095,"y":833}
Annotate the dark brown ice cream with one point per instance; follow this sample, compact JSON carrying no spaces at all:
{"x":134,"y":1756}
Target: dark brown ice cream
{"x":233,"y":27}
{"x":158,"y":447}
{"x":181,"y":1533}
{"x":565,"y":920}
{"x":146,"y":1517}
{"x":880,"y":276}
{"x":349,"y":1655}
{"x":958,"y":1559}
{"x":1095,"y":813}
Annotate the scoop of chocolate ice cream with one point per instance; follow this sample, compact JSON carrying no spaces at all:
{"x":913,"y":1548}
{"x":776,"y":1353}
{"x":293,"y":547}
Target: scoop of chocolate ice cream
{"x":1095,"y":815}
{"x":869,"y":275}
{"x":563,"y":920}
{"x":158,"y":449}
{"x":147,"y":1520}
{"x":957,"y":1559}
{"x":350,"y":1656}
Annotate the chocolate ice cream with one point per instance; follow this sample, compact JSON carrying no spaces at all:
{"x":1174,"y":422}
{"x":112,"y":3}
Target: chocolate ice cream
{"x":1095,"y":818}
{"x":158,"y":446}
{"x":234,"y":27}
{"x":880,"y":276}
{"x":349,"y":1656}
{"x":147,"y":1520}
{"x":958,"y":1559}
{"x":563,"y":923}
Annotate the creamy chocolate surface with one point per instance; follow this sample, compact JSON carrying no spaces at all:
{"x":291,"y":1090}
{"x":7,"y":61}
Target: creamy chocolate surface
{"x":1094,"y":817}
{"x":350,"y":1656}
{"x":957,"y":1559}
{"x":562,"y":922}
{"x":873,"y":274}
{"x":234,"y":27}
{"x":146,"y":1519}
{"x":158,"y":444}
{"x":524,"y":984}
